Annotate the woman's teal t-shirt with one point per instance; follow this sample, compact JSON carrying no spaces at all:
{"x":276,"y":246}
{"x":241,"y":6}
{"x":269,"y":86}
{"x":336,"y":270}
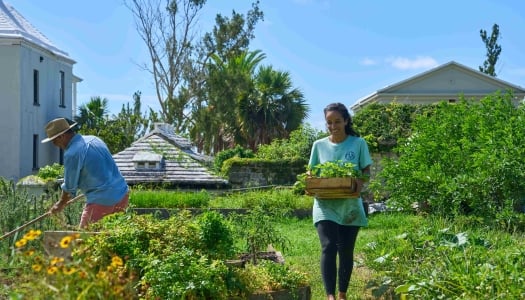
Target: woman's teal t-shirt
{"x":342,"y":211}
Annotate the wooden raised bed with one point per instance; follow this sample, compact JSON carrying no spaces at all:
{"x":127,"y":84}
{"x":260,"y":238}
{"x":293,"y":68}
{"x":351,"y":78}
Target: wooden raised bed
{"x":332,"y":188}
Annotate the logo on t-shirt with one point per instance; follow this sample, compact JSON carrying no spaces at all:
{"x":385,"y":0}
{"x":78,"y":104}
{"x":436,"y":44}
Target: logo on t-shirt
{"x":350,"y":155}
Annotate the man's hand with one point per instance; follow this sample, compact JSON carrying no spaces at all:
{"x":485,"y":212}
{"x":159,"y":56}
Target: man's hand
{"x":59,"y":206}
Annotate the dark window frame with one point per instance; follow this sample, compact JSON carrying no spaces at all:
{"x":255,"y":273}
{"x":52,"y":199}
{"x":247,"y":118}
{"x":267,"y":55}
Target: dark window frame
{"x":35,"y":151}
{"x":36,"y":88}
{"x":62,"y":89}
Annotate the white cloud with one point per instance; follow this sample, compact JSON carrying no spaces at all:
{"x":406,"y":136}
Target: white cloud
{"x":368,"y":62}
{"x":420,"y":62}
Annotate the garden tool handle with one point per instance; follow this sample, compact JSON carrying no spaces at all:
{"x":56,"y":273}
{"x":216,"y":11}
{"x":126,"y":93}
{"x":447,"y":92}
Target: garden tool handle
{"x":36,"y":219}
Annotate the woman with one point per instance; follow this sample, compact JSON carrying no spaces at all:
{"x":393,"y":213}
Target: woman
{"x":338,"y":220}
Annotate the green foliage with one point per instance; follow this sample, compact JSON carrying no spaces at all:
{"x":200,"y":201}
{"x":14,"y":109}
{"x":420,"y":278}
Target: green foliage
{"x":257,"y":230}
{"x":465,"y":158}
{"x":169,"y":199}
{"x":382,"y":125}
{"x":437,"y":258}
{"x":53,"y":171}
{"x":493,"y":50}
{"x":276,"y":198}
{"x":238,"y":151}
{"x":118,"y":131}
{"x":297,"y":145}
{"x":328,"y":169}
{"x":331,"y":169}
{"x":216,"y":234}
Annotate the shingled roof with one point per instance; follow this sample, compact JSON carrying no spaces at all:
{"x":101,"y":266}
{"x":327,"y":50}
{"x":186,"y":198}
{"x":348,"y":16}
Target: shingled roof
{"x":14,"y":26}
{"x":163,"y":157}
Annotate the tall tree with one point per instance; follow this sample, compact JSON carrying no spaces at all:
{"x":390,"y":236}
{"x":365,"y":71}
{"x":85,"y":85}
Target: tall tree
{"x":228,"y":81}
{"x":273,"y":110}
{"x":117,"y":131}
{"x":177,"y":54}
{"x":167,"y":27}
{"x":493,"y":50}
{"x":93,"y":114}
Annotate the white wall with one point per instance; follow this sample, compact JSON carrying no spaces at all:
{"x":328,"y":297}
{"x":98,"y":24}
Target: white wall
{"x":20,"y":119}
{"x":9,"y":115}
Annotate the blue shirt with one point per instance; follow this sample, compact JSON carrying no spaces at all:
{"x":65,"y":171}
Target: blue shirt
{"x":89,"y":167}
{"x":342,"y":211}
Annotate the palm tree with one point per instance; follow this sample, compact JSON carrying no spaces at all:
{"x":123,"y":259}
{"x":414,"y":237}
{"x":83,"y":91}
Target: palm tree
{"x":273,"y":110}
{"x":93,"y":114}
{"x":216,"y":123}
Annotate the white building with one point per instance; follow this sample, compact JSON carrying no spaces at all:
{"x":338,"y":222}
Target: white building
{"x":37,"y":84}
{"x":445,"y":82}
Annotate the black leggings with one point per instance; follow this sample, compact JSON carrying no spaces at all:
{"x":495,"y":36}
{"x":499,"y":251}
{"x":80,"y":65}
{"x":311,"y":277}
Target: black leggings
{"x":336,"y":239}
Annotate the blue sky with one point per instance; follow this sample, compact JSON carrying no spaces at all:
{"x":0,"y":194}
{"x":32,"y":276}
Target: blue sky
{"x":335,"y":51}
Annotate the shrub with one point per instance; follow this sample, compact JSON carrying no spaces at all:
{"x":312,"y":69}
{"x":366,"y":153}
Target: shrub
{"x":298,"y":145}
{"x":52,"y":172}
{"x":238,"y":151}
{"x":465,"y":158}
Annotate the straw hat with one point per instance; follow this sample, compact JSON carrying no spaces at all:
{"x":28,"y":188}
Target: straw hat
{"x":57,"y":127}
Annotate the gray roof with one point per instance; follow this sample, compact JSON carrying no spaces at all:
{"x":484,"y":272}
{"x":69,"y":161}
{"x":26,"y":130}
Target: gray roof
{"x":181,"y":166}
{"x":14,"y":26}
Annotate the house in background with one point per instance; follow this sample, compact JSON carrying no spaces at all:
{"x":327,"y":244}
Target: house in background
{"x":163,"y":158}
{"x":37,"y":84}
{"x":445,"y":82}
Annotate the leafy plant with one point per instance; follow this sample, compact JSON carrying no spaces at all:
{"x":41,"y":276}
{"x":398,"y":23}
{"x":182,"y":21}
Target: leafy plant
{"x":257,"y":231}
{"x":331,"y":169}
{"x":222,"y":156}
{"x":297,"y":145}
{"x":461,"y":159}
{"x":53,"y":171}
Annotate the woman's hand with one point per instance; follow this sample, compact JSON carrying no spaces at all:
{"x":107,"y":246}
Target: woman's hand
{"x":360,"y":182}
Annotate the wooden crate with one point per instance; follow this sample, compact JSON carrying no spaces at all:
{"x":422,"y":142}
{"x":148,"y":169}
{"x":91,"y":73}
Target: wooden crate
{"x":332,"y":188}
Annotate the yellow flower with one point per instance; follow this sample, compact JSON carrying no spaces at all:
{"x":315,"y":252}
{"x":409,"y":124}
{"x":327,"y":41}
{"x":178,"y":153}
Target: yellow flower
{"x":117,"y":290}
{"x":21,"y":243}
{"x":68,"y":270}
{"x":56,"y":260}
{"x":36,"y":267}
{"x":116,"y":261}
{"x":52,"y":270}
{"x":82,"y":274}
{"x":101,"y":275}
{"x":29,"y":252}
{"x":64,"y":243}
{"x":32,"y":234}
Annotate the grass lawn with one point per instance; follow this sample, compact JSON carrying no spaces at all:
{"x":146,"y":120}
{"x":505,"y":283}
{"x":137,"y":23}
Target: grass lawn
{"x":304,"y":253}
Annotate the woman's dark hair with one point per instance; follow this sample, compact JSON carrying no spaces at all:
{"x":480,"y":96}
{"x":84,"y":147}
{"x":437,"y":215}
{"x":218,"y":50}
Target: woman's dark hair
{"x":341,"y":108}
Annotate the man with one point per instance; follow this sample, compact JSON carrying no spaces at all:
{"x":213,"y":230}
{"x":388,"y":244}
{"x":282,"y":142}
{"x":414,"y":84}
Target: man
{"x":90,"y":168}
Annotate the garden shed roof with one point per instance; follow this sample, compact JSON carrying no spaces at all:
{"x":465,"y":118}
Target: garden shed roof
{"x":181,"y":166}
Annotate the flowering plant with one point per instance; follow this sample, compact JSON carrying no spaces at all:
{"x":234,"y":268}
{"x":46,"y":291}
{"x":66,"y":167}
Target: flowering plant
{"x":69,"y":278}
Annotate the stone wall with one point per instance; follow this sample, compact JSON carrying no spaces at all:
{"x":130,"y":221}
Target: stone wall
{"x":257,"y":173}
{"x":246,"y":173}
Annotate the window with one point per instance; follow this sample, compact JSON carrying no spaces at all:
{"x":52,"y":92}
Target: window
{"x":61,"y":89}
{"x":148,"y":161}
{"x":36,"y":95}
{"x":35,"y":151}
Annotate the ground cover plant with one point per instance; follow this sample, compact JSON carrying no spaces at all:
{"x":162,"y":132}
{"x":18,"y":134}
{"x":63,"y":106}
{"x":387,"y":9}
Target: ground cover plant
{"x":417,"y":255}
{"x":281,"y":197}
{"x":141,"y":257}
